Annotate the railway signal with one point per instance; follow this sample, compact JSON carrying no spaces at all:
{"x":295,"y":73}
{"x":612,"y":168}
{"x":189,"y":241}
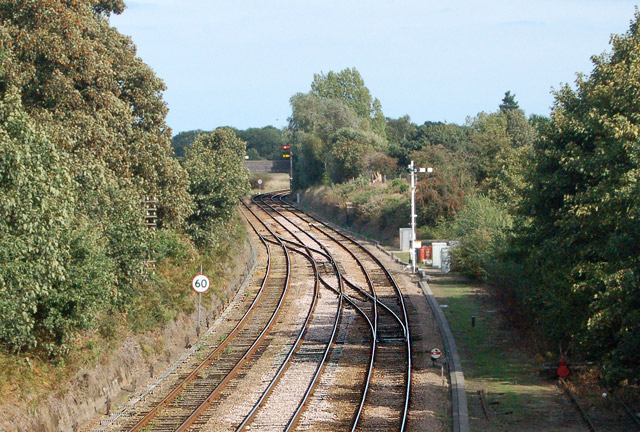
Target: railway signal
{"x":288,"y":156}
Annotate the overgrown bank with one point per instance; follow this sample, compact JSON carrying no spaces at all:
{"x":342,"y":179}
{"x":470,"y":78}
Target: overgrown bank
{"x":374,"y":210}
{"x":38,"y":394}
{"x":83,"y":141}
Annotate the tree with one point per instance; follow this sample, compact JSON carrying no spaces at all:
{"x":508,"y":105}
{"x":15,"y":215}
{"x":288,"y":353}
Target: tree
{"x":310,"y":161}
{"x":82,"y":138}
{"x":322,"y":117}
{"x":584,"y":203}
{"x":218,"y":178}
{"x":509,"y":102}
{"x":43,"y":246}
{"x":349,"y":148}
{"x":348,"y":87}
{"x":267,"y":141}
{"x":183,"y":140}
{"x":80,"y":78}
{"x":441,"y":195}
{"x":400,"y":129}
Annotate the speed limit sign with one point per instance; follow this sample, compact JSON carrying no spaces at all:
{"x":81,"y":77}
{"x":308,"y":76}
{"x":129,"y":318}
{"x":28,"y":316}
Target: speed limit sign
{"x":200,"y":283}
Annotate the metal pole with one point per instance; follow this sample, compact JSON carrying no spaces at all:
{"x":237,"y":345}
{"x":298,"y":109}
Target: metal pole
{"x":291,"y":171}
{"x":412,"y":252}
{"x":199,"y":302}
{"x":198,"y":327}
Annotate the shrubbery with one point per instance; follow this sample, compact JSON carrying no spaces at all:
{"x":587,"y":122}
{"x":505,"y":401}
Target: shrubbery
{"x":82,"y":139}
{"x":483,"y":230}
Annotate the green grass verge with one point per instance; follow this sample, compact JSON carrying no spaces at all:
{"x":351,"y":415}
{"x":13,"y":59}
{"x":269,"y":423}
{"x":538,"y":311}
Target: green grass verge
{"x":493,"y":362}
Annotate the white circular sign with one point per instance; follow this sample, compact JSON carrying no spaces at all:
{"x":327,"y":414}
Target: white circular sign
{"x":200,"y":283}
{"x":259,"y":181}
{"x":436,"y":353}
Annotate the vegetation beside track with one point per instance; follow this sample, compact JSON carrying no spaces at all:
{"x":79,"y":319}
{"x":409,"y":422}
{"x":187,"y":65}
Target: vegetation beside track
{"x":83,"y":140}
{"x":26,"y":379}
{"x":544,"y":209}
{"x":497,"y":362}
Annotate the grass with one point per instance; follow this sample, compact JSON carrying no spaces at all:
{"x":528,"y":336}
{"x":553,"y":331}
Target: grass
{"x":270,"y":182}
{"x":402,"y":256}
{"x":493,"y":361}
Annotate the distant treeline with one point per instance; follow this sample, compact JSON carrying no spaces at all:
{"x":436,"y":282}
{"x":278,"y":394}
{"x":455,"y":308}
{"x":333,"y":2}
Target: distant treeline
{"x":83,"y":139}
{"x":262,"y":143}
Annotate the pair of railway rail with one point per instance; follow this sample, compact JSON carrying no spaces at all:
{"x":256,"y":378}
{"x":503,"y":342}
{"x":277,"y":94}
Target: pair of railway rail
{"x":342,"y":283}
{"x":619,"y":415}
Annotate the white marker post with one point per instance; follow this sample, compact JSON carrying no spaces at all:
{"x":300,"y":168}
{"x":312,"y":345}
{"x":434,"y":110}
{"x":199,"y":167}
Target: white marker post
{"x":200,"y":284}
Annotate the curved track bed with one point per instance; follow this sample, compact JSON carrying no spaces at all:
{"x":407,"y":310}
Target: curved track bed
{"x":321,"y":341}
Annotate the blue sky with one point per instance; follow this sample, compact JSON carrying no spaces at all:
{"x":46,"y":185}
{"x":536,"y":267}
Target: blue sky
{"x":237,"y":63}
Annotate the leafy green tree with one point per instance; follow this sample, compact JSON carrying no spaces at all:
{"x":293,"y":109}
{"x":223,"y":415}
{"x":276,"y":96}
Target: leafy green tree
{"x":340,"y":112}
{"x":310,"y":161}
{"x":400,"y":129}
{"x":349,"y":87}
{"x":43,"y":247}
{"x":218,"y":178}
{"x":80,"y":78}
{"x":448,"y":135}
{"x":83,"y":137}
{"x":183,"y":140}
{"x":489,"y":139}
{"x":482,"y":228}
{"x":322,"y":117}
{"x":441,"y":195}
{"x":581,"y":244}
{"x":349,"y":148}
{"x":266,"y":142}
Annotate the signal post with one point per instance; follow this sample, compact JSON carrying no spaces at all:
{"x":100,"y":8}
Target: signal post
{"x":288,"y":154}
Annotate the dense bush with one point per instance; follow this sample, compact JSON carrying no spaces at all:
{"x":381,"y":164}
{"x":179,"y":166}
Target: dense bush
{"x":483,"y":229}
{"x":215,"y":165}
{"x":583,"y":199}
{"x":83,"y":138}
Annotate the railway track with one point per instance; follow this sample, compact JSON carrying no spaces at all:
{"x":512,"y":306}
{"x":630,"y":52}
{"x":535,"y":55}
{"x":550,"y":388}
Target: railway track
{"x":600,"y":409}
{"x":321,"y":342}
{"x":386,"y":387}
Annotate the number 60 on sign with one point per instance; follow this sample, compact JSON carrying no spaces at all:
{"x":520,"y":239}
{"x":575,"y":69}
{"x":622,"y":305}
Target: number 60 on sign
{"x":200,"y":283}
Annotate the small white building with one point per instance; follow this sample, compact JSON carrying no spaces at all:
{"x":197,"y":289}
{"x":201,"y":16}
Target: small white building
{"x":405,"y":239}
{"x":436,"y":254}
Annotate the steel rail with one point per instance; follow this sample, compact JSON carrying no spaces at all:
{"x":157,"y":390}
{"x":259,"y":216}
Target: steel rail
{"x":296,"y":210}
{"x":209,"y":359}
{"x":328,"y":286}
{"x":375,"y":338}
{"x":246,"y":356}
{"x":296,"y":415}
{"x":353,"y":255}
{"x":248,"y":418}
{"x":346,"y":279}
{"x":350,"y":252}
